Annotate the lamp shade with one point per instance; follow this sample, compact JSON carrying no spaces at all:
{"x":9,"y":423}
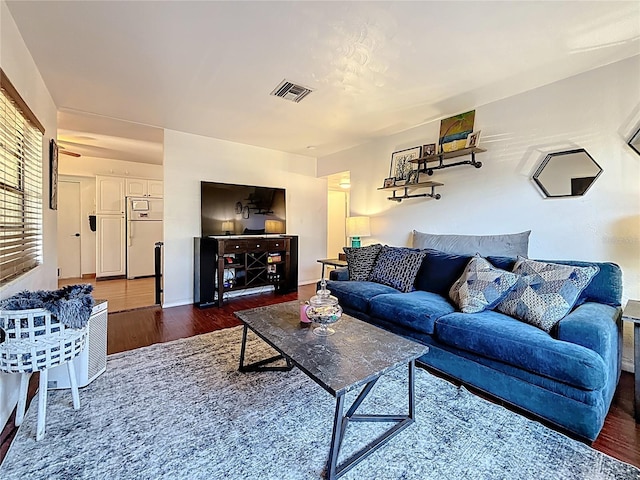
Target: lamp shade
{"x":227,"y":226}
{"x":273,"y":226}
{"x":358,"y":227}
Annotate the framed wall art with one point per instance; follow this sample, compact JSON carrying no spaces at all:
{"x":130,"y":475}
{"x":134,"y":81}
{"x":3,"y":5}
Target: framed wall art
{"x":428,"y":149}
{"x":389,"y":182}
{"x":473,"y":139}
{"x":53,"y":175}
{"x":401,"y":164}
{"x":455,"y":130}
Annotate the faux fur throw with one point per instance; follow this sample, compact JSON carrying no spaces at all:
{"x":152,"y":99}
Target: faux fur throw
{"x":71,"y":304}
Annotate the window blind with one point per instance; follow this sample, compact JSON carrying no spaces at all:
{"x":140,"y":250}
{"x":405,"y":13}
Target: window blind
{"x":20,"y":188}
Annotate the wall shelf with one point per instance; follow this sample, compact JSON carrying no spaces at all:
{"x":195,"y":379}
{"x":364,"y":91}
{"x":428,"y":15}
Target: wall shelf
{"x":406,"y":189}
{"x":425,"y":164}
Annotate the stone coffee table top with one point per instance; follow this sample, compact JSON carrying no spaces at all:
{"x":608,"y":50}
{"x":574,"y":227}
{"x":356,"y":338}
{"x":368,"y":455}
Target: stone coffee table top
{"x":356,"y":354}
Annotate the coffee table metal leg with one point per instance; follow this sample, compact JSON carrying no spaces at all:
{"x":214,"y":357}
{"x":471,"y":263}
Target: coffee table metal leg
{"x":259,"y":366}
{"x":339,"y":427}
{"x":341,"y":421}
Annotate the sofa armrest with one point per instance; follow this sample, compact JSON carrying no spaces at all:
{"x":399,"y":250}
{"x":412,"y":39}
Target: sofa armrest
{"x":339,"y":274}
{"x":594,"y":326}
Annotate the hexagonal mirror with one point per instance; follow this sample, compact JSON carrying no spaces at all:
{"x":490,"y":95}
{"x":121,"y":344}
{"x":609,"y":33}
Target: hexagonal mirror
{"x":567,"y":174}
{"x":634,"y":142}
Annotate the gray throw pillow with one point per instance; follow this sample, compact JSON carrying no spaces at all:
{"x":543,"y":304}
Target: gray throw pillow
{"x":360,"y":261}
{"x":507,"y":245}
{"x":397,"y":267}
{"x":545,"y":292}
{"x":481,"y":286}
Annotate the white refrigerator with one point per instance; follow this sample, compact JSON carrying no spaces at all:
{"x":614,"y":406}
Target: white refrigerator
{"x":144,"y":229}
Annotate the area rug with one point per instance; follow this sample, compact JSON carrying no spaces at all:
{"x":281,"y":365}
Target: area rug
{"x":181,"y":410}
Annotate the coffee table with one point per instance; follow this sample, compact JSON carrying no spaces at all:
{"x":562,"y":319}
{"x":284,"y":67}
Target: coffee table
{"x":356,"y":356}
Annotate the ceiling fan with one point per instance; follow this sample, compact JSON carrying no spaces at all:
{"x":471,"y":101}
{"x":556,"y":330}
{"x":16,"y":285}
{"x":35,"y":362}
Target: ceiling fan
{"x":64,"y":151}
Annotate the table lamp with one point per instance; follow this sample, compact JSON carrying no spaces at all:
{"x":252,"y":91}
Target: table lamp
{"x":227,"y":226}
{"x":273,"y":226}
{"x":357,"y":227}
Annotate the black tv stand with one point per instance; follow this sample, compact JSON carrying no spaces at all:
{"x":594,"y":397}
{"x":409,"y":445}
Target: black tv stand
{"x":230,"y":263}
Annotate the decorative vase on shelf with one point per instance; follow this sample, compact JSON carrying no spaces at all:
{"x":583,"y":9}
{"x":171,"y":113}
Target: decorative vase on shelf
{"x":324,"y":310}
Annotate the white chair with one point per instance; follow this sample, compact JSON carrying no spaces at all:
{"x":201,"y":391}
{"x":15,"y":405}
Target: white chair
{"x":36,"y":341}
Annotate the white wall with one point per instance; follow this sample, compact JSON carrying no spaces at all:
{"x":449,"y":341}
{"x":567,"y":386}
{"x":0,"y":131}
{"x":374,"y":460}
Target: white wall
{"x":597,"y":110}
{"x":190,"y":159}
{"x":21,"y":70}
{"x":90,"y":167}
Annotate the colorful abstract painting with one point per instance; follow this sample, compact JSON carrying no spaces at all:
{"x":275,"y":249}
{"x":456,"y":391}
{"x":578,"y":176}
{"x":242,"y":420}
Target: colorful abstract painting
{"x":454,"y":131}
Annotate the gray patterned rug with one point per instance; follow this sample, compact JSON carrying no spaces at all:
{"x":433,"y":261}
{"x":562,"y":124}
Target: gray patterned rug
{"x":181,"y":410}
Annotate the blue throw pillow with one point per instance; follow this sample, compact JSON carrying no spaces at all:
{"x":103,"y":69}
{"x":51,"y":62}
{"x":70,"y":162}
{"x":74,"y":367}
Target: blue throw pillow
{"x":397,"y":267}
{"x":482,"y":286}
{"x":439,"y":270}
{"x":545,"y":292}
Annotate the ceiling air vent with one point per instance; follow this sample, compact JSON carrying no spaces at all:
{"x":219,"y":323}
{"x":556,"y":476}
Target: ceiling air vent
{"x":291,"y":91}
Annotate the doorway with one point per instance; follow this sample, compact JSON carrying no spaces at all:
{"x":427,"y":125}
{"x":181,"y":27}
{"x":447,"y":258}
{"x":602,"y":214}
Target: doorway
{"x":338,"y":186}
{"x":69,"y":239}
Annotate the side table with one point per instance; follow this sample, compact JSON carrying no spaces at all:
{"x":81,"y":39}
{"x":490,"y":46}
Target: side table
{"x":631,"y":313}
{"x":334,"y":262}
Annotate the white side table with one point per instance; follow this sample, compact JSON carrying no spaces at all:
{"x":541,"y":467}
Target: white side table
{"x":631,"y":313}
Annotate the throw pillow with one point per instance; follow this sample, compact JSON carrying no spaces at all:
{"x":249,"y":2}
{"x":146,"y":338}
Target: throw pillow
{"x":360,"y":261}
{"x":508,"y":245}
{"x":545,"y":292}
{"x":481,"y":286}
{"x":397,"y":267}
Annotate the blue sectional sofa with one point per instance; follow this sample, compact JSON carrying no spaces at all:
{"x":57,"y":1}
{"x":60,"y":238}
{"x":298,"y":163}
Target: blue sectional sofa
{"x":566,"y":377}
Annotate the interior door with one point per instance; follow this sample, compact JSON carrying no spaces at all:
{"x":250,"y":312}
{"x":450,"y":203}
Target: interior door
{"x":336,"y":215}
{"x":69,"y":229}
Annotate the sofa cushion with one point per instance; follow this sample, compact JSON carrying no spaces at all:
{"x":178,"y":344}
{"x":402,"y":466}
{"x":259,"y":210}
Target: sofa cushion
{"x":481,"y":286}
{"x":356,"y":295}
{"x":360,"y":261}
{"x":397,"y":267}
{"x":439,"y":271}
{"x":415,"y":311}
{"x":499,"y":337}
{"x":545,"y":292}
{"x":512,"y":244}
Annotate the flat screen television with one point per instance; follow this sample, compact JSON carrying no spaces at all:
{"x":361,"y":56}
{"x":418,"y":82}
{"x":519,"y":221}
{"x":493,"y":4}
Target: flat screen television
{"x":230,"y":209}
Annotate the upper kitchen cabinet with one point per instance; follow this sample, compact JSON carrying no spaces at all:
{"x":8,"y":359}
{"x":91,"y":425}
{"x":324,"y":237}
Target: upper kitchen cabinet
{"x":109,"y":195}
{"x":140,"y":187}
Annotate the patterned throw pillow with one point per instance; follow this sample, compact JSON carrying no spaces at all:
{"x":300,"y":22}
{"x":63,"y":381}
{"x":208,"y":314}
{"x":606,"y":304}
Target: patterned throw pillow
{"x":360,"y":261}
{"x":481,"y":286}
{"x":545,"y":292}
{"x":397,"y":267}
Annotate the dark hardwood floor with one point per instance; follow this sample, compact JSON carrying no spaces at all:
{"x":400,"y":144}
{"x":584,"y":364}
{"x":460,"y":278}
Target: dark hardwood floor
{"x":619,"y":438}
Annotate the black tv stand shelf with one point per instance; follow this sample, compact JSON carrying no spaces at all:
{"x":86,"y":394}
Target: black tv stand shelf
{"x":439,"y":160}
{"x":230,"y":263}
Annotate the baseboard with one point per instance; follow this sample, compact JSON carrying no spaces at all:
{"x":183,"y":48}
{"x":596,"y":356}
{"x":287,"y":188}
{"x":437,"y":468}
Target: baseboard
{"x":115,"y":277}
{"x":627,"y":365}
{"x":88,"y":275}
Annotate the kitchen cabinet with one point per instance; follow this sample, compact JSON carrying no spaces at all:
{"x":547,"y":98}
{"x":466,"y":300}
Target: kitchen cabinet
{"x":110,"y":246}
{"x":140,"y":187}
{"x":109,"y":195}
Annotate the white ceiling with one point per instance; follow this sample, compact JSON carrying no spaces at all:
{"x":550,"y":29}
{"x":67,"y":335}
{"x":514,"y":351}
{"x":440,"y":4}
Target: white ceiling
{"x":376,"y":68}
